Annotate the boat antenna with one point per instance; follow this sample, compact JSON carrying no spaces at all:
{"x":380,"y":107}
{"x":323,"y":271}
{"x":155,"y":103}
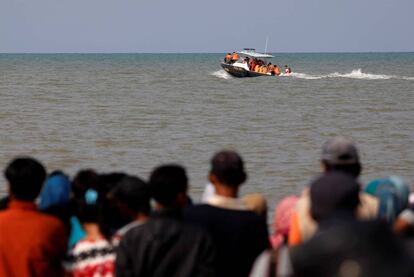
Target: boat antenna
{"x":267,"y":40}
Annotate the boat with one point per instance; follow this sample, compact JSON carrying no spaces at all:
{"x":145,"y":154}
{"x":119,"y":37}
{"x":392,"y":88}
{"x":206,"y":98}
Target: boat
{"x":240,"y":68}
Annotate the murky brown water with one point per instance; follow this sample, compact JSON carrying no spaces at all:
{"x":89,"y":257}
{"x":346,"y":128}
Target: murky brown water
{"x":133,"y":112}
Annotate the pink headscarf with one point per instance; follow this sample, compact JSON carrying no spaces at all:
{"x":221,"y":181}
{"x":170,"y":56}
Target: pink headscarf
{"x":281,"y":220}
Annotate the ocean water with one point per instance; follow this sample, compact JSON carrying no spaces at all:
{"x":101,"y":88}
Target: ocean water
{"x":132,"y":112}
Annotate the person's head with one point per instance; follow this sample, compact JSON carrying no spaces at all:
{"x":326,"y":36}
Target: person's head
{"x":340,"y":154}
{"x":169,"y":184}
{"x":108,"y":181}
{"x":132,"y":196}
{"x":333,"y":194}
{"x":85,"y":179}
{"x":25,"y":176}
{"x":56,"y":191}
{"x":286,"y":65}
{"x":227,"y":169}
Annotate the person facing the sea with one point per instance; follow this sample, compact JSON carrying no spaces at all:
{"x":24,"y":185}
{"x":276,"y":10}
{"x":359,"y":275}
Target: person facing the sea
{"x":339,"y":154}
{"x":166,"y":245}
{"x":93,"y":255}
{"x":239,"y":235}
{"x":31,"y":243}
{"x":344,"y":245}
{"x":131,"y":196}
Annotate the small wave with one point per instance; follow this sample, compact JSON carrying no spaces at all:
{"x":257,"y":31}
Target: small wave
{"x":354,"y":74}
{"x":358,"y":74}
{"x":222,"y":74}
{"x":306,"y":76}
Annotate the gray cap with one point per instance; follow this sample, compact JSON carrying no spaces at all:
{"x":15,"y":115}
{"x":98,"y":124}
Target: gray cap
{"x":340,"y":151}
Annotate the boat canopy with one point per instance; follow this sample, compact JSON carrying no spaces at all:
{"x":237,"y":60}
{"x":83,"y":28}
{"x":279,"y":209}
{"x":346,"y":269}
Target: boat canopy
{"x":252,"y":53}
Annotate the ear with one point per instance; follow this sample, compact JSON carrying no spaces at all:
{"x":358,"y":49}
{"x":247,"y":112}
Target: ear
{"x":213,"y":179}
{"x":324,"y":166}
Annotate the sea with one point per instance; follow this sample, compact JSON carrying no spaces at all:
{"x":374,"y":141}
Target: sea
{"x":132,"y":112}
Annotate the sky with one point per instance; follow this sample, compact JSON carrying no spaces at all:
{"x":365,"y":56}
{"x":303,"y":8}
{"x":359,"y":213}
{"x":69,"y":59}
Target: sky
{"x":187,"y":26}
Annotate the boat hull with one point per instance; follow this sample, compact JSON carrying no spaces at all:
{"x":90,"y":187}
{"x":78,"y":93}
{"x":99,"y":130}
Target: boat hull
{"x":240,"y":72}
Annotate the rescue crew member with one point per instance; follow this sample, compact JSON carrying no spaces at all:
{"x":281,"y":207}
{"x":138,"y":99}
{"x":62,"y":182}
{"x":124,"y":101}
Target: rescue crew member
{"x":235,"y":57}
{"x":227,"y":59}
{"x":277,"y":70}
{"x":271,"y":68}
{"x":287,"y":69}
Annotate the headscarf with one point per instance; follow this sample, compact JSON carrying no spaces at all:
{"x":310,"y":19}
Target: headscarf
{"x":56,"y":192}
{"x":281,"y":220}
{"x":392,"y":193}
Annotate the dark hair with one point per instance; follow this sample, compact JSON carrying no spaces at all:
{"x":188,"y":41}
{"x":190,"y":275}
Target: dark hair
{"x":85,"y":179}
{"x":134,"y":193}
{"x":351,"y":169}
{"x":166,"y":182}
{"x":108,"y":181}
{"x":228,"y":168}
{"x":333,"y":194}
{"x":25,"y":176}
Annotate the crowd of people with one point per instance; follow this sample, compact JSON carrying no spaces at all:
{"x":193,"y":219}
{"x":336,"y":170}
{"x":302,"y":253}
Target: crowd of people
{"x":257,"y":65}
{"x":117,"y":224}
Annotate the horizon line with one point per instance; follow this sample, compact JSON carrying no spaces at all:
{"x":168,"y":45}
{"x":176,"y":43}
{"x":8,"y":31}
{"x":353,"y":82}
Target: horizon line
{"x":183,"y":53}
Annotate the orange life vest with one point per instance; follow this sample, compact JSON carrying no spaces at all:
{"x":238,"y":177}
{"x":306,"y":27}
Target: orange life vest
{"x":235,"y":57}
{"x":277,"y":71}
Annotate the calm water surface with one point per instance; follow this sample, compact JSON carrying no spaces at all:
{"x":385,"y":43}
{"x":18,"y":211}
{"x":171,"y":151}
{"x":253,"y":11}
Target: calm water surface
{"x":131,"y":112}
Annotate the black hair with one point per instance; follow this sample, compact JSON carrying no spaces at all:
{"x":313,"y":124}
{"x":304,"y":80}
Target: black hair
{"x":108,"y":181}
{"x":333,"y":194}
{"x":134,"y":193}
{"x":228,"y":168}
{"x":166,"y":182}
{"x":85,"y":179}
{"x":351,"y":169}
{"x":25,"y":176}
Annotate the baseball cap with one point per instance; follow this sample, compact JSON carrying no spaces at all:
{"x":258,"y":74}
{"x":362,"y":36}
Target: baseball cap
{"x":340,"y":151}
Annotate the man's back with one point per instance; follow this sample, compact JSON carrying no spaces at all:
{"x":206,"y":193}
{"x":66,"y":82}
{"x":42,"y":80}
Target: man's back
{"x":239,"y":236}
{"x":165,"y":246}
{"x":31,"y":243}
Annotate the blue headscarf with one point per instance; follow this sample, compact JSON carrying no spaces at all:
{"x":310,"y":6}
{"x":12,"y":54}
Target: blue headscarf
{"x":392,"y":193}
{"x":56,"y":191}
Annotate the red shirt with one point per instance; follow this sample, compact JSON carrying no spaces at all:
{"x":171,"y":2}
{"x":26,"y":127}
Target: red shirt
{"x":31,"y":243}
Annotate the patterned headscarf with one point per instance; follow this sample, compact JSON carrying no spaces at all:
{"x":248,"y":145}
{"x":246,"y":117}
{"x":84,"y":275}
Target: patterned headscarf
{"x":281,"y":220}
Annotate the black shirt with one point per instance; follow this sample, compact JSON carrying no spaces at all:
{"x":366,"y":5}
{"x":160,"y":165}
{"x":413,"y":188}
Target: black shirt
{"x":238,"y":236}
{"x":165,"y":246}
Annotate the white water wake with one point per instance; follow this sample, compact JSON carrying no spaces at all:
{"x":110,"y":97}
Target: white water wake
{"x":354,"y":74}
{"x":221,"y":74}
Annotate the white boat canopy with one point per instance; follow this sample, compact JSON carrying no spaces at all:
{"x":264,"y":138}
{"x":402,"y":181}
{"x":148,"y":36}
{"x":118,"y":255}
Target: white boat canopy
{"x":252,"y":53}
